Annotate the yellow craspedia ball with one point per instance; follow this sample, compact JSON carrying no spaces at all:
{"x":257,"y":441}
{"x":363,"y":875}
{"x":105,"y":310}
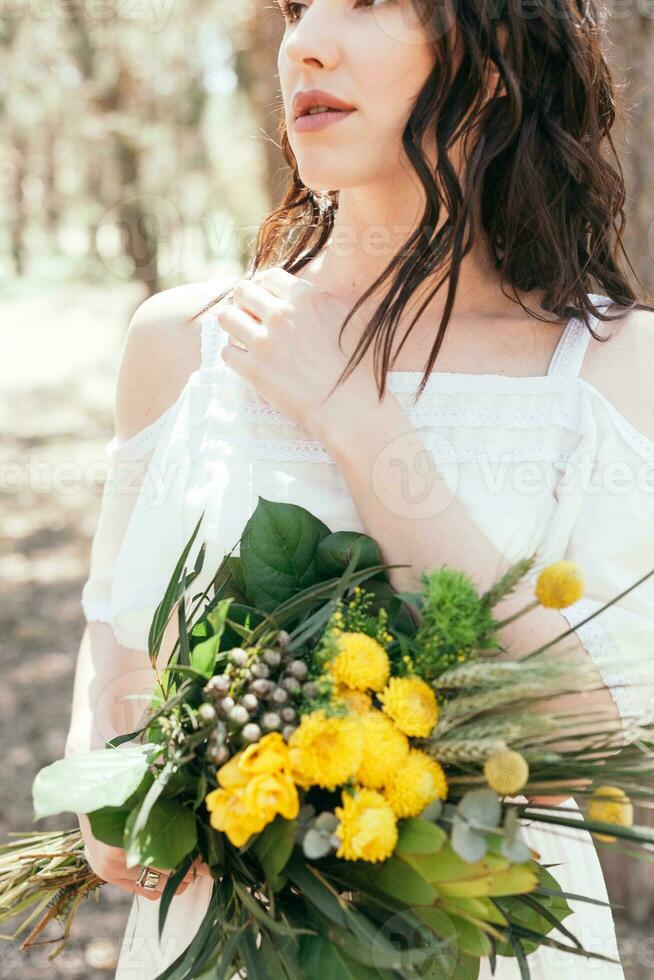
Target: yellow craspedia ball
{"x":611,"y":805}
{"x":420,"y":780}
{"x":385,"y":748}
{"x":367,"y":826}
{"x":325,"y":750}
{"x":361,"y":663}
{"x":506,"y":772}
{"x":412,"y":705}
{"x":357,"y":701}
{"x":559,"y":585}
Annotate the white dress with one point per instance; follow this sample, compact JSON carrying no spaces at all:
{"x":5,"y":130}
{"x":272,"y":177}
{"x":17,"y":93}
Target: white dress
{"x":519,"y":444}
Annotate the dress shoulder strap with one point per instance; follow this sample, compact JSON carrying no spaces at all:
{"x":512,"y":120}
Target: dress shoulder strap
{"x":212,"y":336}
{"x":571,"y":349}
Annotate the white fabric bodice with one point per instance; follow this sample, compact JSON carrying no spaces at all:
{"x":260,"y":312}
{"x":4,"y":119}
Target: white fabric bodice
{"x":536,"y":460}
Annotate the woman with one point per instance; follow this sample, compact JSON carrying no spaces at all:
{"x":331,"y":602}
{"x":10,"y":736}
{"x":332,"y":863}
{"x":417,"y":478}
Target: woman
{"x":472,"y":159}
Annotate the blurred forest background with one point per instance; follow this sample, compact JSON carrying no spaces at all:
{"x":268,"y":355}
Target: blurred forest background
{"x":141,"y":151}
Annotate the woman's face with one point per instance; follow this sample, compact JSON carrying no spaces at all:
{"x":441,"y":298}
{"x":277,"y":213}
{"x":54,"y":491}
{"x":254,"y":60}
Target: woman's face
{"x":371,"y":54}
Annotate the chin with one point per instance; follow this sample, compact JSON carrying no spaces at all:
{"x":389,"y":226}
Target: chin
{"x":319,"y":176}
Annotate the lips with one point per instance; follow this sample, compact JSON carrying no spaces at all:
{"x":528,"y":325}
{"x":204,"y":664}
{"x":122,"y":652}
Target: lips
{"x":309,"y":99}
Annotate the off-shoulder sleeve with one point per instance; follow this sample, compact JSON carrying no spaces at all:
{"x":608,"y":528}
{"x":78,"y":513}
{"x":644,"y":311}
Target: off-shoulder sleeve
{"x":609,"y":504}
{"x":127,"y":467}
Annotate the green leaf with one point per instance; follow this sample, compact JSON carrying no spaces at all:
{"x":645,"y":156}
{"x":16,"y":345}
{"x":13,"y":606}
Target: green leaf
{"x":318,"y":957}
{"x":278,"y":552}
{"x":203,"y":656}
{"x":90,"y":780}
{"x":404,"y":882}
{"x":525,"y":915}
{"x":170,"y":888}
{"x":469,"y":937}
{"x":335,"y":552}
{"x":168,"y":836}
{"x":108,"y":824}
{"x":171,"y":595}
{"x":273,"y":847}
{"x":418,"y":836}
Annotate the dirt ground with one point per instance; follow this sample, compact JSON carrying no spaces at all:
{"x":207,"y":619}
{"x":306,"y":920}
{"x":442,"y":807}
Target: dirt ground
{"x":60,"y":355}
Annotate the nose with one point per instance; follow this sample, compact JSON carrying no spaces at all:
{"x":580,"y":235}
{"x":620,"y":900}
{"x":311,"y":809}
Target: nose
{"x":312,"y":41}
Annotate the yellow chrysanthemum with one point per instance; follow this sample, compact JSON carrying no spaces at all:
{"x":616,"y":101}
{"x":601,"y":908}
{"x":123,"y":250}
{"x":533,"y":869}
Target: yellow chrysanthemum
{"x":419,"y":781}
{"x":506,"y":772}
{"x":326,"y":751}
{"x":357,"y":701}
{"x":385,"y":748}
{"x":230,"y":814}
{"x":361,"y":663}
{"x":611,"y":805}
{"x":367,"y":826}
{"x":411,"y":703}
{"x":559,"y":585}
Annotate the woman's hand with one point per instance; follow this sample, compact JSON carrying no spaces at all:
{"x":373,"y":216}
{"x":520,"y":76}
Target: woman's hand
{"x":109,"y":863}
{"x":290,"y":329}
{"x":558,"y":800}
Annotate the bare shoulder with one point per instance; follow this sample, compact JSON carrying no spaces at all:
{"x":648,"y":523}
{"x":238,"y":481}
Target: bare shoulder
{"x":161,"y":351}
{"x":621,"y":367}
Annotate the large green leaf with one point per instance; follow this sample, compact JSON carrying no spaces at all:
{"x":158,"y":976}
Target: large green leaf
{"x":335,"y":553}
{"x":273,"y":847}
{"x":168,"y":836}
{"x":468,"y":937}
{"x":398,"y":879}
{"x":320,"y":958}
{"x":108,"y":824}
{"x":90,"y":780}
{"x":278,"y":552}
{"x":418,"y":836}
{"x":526,"y":915}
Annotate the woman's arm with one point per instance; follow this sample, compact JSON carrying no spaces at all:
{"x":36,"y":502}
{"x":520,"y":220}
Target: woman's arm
{"x":107,"y":677}
{"x":425,"y":524}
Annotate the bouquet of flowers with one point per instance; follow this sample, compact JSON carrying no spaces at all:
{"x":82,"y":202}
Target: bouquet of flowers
{"x":350,"y":762}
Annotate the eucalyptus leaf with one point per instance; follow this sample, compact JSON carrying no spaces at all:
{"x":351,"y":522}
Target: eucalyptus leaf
{"x":316,"y":844}
{"x":326,"y":822}
{"x":467,"y":842}
{"x":481,"y":807}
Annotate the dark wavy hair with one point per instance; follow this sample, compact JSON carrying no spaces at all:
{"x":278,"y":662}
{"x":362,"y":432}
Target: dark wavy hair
{"x":539,"y":184}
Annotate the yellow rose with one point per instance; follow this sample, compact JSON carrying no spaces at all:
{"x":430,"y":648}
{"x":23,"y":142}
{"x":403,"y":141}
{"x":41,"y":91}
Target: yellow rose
{"x":230,"y":776}
{"x":269,"y":754}
{"x":230,"y":814}
{"x":271,"y":793}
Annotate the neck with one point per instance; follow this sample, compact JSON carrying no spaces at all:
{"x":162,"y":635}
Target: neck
{"x":371,"y":225}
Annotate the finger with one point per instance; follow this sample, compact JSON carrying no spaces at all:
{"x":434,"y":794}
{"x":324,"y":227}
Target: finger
{"x":239,"y":324}
{"x":278,"y":281}
{"x":235,"y":358}
{"x":253,"y":298}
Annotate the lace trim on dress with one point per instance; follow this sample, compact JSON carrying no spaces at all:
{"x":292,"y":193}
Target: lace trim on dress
{"x":571,"y":350}
{"x":451,"y":415}
{"x":312,"y":451}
